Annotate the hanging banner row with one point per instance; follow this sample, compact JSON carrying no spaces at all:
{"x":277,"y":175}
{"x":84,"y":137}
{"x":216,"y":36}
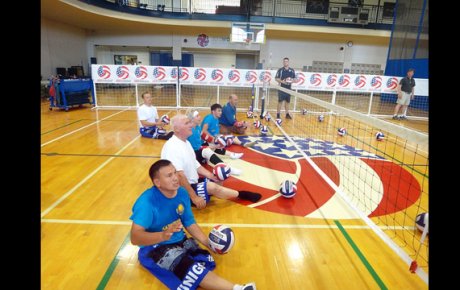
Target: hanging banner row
{"x":139,"y":74}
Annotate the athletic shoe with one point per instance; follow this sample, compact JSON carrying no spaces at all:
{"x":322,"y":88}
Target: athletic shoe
{"x":402,"y":118}
{"x":395,"y":117}
{"x":234,"y":155}
{"x":288,"y":116}
{"x":248,"y":286}
{"x":278,"y":116}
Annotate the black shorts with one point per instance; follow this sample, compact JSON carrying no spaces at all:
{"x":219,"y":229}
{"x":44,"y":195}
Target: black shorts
{"x":282,"y":96}
{"x":199,"y":156}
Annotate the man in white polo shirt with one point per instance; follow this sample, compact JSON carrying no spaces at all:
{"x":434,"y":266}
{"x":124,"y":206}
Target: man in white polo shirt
{"x":179,"y":151}
{"x":150,"y":124}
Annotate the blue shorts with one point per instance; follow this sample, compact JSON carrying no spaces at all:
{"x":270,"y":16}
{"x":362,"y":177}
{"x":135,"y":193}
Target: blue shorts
{"x":181,"y":265}
{"x":148,"y":132}
{"x":201,"y":189}
{"x":282,"y":96}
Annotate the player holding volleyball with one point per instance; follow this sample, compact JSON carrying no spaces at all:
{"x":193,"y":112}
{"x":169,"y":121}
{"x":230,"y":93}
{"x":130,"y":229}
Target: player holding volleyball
{"x":150,"y":124}
{"x":179,"y":151}
{"x":159,"y":217}
{"x":204,"y":151}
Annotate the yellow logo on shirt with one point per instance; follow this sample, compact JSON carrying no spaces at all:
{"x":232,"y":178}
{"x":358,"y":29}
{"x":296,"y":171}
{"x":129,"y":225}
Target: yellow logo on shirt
{"x":180,"y":209}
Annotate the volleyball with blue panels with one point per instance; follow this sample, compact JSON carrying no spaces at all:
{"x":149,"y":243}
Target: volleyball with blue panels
{"x":304,"y":111}
{"x":342,"y":131}
{"x":421,"y":221}
{"x":221,"y":239}
{"x":221,"y":171}
{"x":279,"y":121}
{"x":288,"y":188}
{"x":220,"y":141}
{"x":320,"y":118}
{"x":264,"y":130}
{"x":165,"y":119}
{"x":379,"y":136}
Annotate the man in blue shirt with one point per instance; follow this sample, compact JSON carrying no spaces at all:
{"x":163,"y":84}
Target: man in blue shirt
{"x":210,"y":127}
{"x":227,"y":121}
{"x":284,"y":76}
{"x":159,"y":217}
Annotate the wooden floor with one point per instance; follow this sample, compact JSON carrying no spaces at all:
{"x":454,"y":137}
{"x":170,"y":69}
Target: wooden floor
{"x":95,"y":165}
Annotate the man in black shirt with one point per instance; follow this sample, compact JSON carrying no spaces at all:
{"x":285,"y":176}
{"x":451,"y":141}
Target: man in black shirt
{"x":285,"y":76}
{"x":405,"y":94}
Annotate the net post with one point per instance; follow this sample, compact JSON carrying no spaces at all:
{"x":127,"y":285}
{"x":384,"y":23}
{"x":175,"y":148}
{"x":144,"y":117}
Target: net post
{"x":370,"y":104}
{"x":137,"y":95}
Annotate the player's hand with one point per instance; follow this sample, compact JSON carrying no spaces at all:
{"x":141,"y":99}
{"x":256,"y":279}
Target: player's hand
{"x":399,"y":96}
{"x":199,"y":202}
{"x":172,"y":228}
{"x":412,"y":97}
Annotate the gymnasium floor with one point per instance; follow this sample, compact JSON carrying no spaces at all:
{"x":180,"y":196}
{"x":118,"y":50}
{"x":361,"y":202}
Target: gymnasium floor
{"x":95,"y":165}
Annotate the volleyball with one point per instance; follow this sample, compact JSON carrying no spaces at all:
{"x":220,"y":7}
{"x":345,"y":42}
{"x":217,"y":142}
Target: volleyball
{"x":257,"y":124}
{"x":288,"y":188}
{"x":379,"y":136}
{"x":268,"y":117}
{"x":221,"y":239}
{"x":221,"y":171}
{"x":321,"y":118}
{"x":264,"y":130}
{"x":165,"y":119}
{"x":421,"y":221}
{"x":279,"y":121}
{"x":342,"y":131}
{"x":250,"y":114}
{"x":304,"y":111}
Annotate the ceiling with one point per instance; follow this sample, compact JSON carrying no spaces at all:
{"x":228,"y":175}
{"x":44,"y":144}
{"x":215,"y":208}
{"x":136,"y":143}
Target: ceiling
{"x":82,"y":15}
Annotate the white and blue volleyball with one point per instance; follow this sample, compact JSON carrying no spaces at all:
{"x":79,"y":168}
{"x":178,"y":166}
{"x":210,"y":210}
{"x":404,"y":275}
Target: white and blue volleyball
{"x":342,"y":131}
{"x":379,"y":136}
{"x":421,"y":221}
{"x":221,"y":171}
{"x":264,"y":130}
{"x":279,"y":121}
{"x":268,"y":117}
{"x":257,"y":124}
{"x":250,"y":114}
{"x":165,"y":119}
{"x":304,"y":111}
{"x":321,"y":118}
{"x":221,"y":239}
{"x":288,"y":188}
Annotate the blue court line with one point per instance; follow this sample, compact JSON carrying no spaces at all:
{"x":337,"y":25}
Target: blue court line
{"x":61,"y":127}
{"x":108,"y":273}
{"x":361,"y":256}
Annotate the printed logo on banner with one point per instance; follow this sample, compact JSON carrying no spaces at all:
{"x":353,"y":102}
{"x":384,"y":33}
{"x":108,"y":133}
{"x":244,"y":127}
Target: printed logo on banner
{"x":123,"y":72}
{"x":234,"y":75}
{"x":300,"y":79}
{"x":376,"y":82}
{"x":174,"y":73}
{"x":159,"y":73}
{"x":315,"y":80}
{"x":217,"y":75}
{"x":183,"y":73}
{"x":140,"y":72}
{"x":200,"y":74}
{"x":103,"y":71}
{"x":265,"y":76}
{"x":344,"y":81}
{"x":392,"y":83}
{"x":360,"y":81}
{"x":331,"y":80}
{"x":251,"y":76}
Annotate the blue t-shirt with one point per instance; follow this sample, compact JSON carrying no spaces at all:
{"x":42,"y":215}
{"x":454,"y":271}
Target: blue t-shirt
{"x":213,"y":124}
{"x":153,"y":211}
{"x":228,"y":117}
{"x":195,"y":138}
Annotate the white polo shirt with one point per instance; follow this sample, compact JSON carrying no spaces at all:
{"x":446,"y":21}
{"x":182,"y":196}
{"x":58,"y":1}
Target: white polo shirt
{"x":147,"y":113}
{"x":182,"y":156}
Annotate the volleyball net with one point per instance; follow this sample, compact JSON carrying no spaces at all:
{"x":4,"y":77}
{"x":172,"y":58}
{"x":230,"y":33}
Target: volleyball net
{"x":376,"y":168}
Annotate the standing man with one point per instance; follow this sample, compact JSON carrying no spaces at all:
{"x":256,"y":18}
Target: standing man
{"x":284,"y":76}
{"x":405,"y":94}
{"x":159,"y":217}
{"x":150,"y":124}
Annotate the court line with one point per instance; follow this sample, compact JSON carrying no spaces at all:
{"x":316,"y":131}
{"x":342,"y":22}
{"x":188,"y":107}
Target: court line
{"x":79,"y":129}
{"x":271,"y":226}
{"x":61,"y":127}
{"x":108,"y":273}
{"x":72,"y":190}
{"x":98,"y":155}
{"x":363,"y":259}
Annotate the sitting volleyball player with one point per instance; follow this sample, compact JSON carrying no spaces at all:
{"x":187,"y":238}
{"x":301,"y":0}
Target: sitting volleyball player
{"x":210,"y":128}
{"x":203,"y":151}
{"x":179,"y":151}
{"x":159,"y":217}
{"x":227,"y":121}
{"x":150,"y":125}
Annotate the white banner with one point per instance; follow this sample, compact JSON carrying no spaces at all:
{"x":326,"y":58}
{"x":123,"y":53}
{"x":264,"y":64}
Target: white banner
{"x":247,"y":78}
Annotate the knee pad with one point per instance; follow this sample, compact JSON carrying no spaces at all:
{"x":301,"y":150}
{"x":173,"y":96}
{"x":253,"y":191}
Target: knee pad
{"x":207,"y":153}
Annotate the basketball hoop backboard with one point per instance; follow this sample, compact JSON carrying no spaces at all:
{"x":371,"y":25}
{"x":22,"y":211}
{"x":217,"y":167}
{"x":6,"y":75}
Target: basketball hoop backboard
{"x":244,"y":32}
